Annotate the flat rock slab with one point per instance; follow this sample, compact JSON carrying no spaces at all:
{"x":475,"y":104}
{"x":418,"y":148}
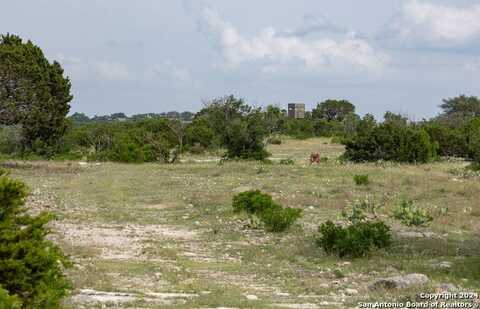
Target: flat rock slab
{"x":93,"y":296}
{"x":399,"y":282}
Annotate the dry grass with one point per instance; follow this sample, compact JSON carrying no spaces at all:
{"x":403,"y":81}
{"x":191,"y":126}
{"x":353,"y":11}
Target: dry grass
{"x":143,"y":229}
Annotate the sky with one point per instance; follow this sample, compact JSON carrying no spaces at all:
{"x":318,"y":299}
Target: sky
{"x":156,"y":56}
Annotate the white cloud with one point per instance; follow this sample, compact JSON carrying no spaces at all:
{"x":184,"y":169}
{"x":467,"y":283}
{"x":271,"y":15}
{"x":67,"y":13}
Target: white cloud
{"x":73,"y":66}
{"x":269,"y":48}
{"x":472,"y":66}
{"x":112,"y":71}
{"x":169,"y":72}
{"x":438,"y":25}
{"x":78,"y":69}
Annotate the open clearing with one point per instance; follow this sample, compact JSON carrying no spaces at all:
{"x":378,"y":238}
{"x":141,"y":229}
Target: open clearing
{"x":164,"y":236}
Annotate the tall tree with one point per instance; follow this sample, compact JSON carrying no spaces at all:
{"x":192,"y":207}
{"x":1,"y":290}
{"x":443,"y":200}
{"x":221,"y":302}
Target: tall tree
{"x":459,"y":110}
{"x":333,"y":110}
{"x":33,"y":92}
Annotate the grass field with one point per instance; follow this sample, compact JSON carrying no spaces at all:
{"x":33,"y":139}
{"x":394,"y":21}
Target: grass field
{"x":165,"y":236}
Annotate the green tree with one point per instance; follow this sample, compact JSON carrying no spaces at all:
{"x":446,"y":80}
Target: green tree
{"x":238,"y":127}
{"x":274,"y":118}
{"x":199,"y":132}
{"x":333,"y":110}
{"x":395,"y":119}
{"x":244,"y":137}
{"x":79,"y":118}
{"x":30,"y":265}
{"x":33,"y":92}
{"x":459,"y":110}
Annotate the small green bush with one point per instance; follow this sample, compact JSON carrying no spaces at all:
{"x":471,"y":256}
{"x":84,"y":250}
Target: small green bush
{"x":355,"y":240}
{"x":411,"y":215}
{"x":252,"y":202}
{"x":278,"y":219}
{"x":260,"y":205}
{"x":286,"y":162}
{"x":361,"y":180}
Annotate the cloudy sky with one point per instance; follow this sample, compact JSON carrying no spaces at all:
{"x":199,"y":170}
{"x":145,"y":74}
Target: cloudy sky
{"x":161,"y":55}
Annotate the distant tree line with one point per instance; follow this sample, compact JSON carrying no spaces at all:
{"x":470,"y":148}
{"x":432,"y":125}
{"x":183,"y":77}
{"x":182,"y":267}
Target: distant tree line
{"x":81,"y":118}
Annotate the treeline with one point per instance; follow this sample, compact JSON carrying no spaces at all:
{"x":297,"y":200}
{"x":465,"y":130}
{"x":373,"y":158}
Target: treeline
{"x":81,"y":118}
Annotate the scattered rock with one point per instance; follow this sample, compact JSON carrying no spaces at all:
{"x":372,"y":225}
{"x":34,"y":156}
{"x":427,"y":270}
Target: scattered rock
{"x":446,"y":287}
{"x":442,"y":265}
{"x":351,"y":292}
{"x":251,"y":297}
{"x":242,"y":189}
{"x":296,"y":306}
{"x":399,"y":282}
{"x":414,"y":234}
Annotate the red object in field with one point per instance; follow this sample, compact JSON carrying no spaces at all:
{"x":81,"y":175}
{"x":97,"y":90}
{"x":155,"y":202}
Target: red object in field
{"x":315,"y":158}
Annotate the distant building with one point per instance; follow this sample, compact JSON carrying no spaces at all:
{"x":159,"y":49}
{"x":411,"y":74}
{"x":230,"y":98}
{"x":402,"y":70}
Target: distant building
{"x":296,"y":110}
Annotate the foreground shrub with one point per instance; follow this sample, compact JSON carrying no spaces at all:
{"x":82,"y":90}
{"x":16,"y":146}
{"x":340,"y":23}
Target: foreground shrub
{"x":261,"y":206}
{"x":252,"y":202}
{"x":30,"y":265}
{"x":361,"y":180}
{"x":411,"y":215}
{"x":355,"y":240}
{"x":278,"y":219}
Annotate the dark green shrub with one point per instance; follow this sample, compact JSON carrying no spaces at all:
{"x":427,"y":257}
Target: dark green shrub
{"x":252,"y":202}
{"x":355,"y":240}
{"x":300,"y":128}
{"x":278,"y":219}
{"x":199,"y":132}
{"x":361,"y":180}
{"x":411,"y":215}
{"x":452,"y":142}
{"x":30,"y":265}
{"x":391,"y":143}
{"x":261,"y":206}
{"x":244,"y":137}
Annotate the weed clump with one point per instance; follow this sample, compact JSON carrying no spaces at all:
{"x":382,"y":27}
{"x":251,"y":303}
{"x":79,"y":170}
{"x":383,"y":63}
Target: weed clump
{"x":286,"y":162}
{"x":260,"y":206}
{"x":361,"y":180}
{"x":410,"y":215}
{"x":361,"y":210}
